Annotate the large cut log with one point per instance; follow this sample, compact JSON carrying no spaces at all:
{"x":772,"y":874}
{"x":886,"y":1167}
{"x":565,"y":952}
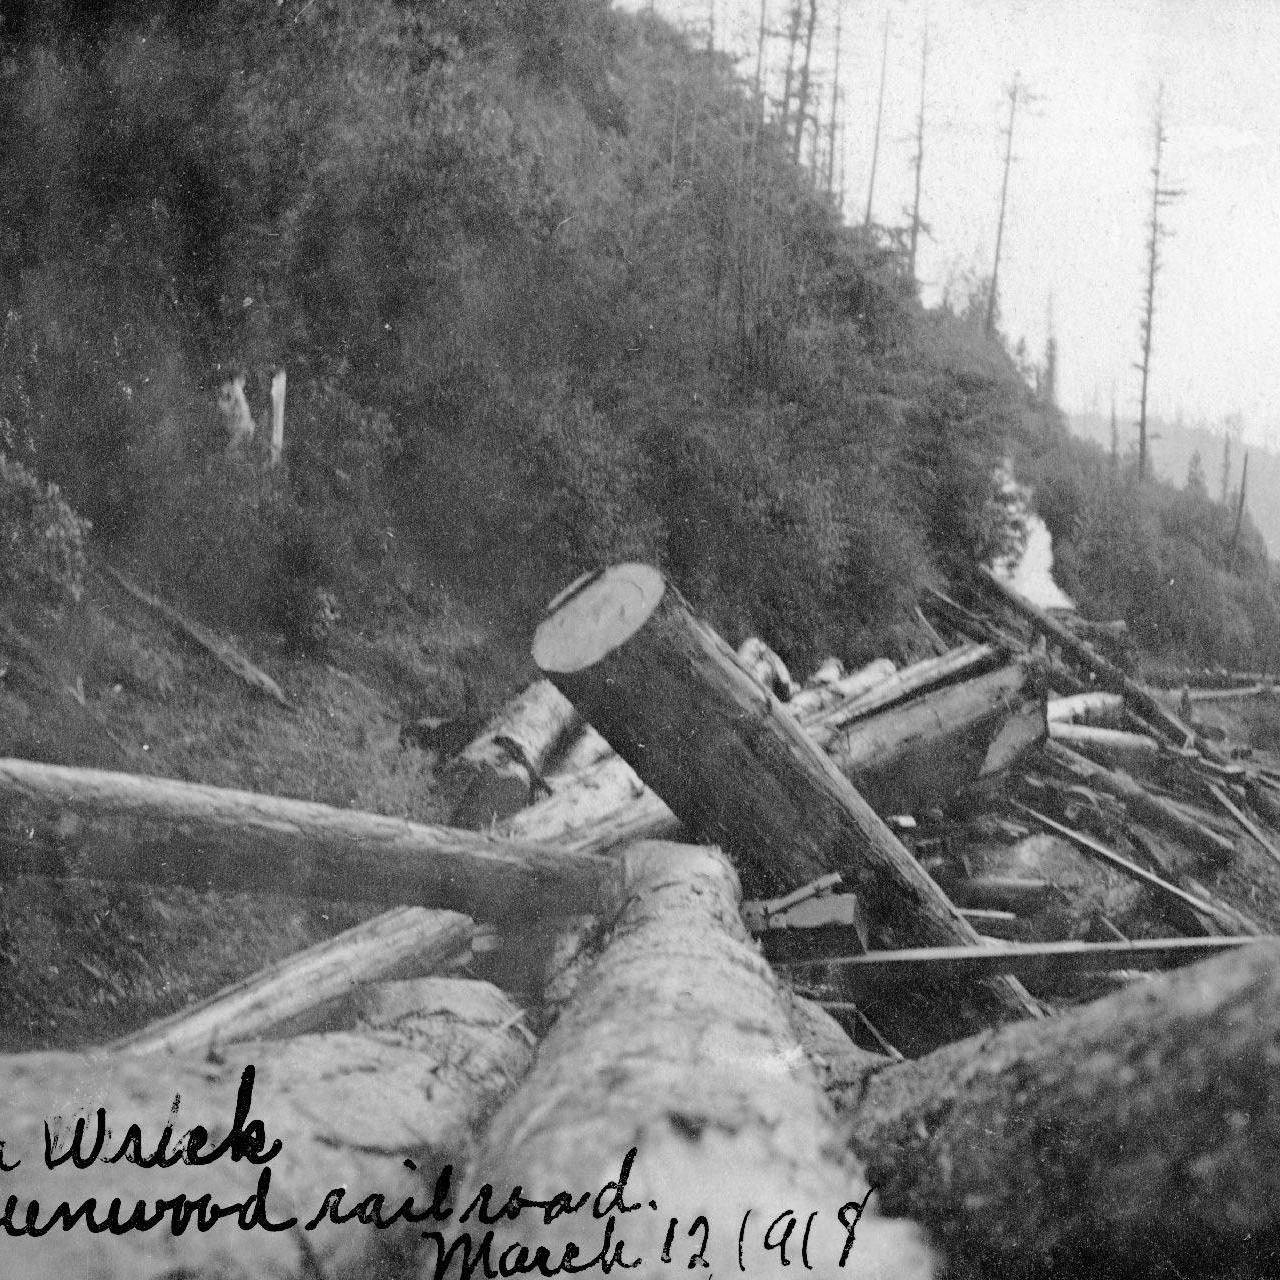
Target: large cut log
{"x":933,"y":673}
{"x":817,"y":698}
{"x":1142,"y":701}
{"x":98,"y":825}
{"x":594,"y":811}
{"x":221,"y":649}
{"x":305,"y":990}
{"x":921,"y":753}
{"x":676,"y":1044}
{"x":1156,"y":810}
{"x":497,"y":774}
{"x":364,"y":1120}
{"x":1135,"y":1137}
{"x":735,"y":767}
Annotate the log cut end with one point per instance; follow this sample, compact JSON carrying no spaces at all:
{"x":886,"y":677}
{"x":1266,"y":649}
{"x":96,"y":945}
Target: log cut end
{"x":596,"y":615}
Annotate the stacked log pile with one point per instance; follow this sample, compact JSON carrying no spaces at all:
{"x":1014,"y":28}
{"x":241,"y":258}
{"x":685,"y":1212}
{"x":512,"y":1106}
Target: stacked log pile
{"x":776,"y":946}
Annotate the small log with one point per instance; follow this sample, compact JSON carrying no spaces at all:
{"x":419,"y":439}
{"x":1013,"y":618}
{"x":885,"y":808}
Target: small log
{"x":1119,"y":863}
{"x":817,"y":698}
{"x":677,"y":1044}
{"x":921,"y":753}
{"x":1110,"y":744}
{"x":594,"y":811}
{"x":1098,"y":708}
{"x":933,"y":673}
{"x":303,"y":991}
{"x":829,"y":671}
{"x":1157,"y":811}
{"x":734,"y":766}
{"x":1003,"y":893}
{"x":991,"y":922}
{"x":497,"y":774}
{"x":1027,"y":961}
{"x":97,"y":825}
{"x":1138,"y":1136}
{"x":221,"y":649}
{"x":376,"y":1113}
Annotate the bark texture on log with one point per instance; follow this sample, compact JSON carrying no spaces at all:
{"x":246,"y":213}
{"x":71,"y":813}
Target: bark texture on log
{"x":737,"y":769}
{"x":302,"y":991}
{"x":349,"y":1109}
{"x":1135,"y":1137}
{"x":677,"y":1043}
{"x":497,"y":774}
{"x":99,"y":825}
{"x":922,"y":752}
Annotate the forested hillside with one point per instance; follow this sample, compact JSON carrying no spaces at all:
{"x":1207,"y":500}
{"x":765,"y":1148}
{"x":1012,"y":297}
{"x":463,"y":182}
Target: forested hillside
{"x":549,"y":291}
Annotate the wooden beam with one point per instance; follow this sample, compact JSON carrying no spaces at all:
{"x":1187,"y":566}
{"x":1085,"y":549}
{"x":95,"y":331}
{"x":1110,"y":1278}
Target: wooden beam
{"x":1026,"y":961}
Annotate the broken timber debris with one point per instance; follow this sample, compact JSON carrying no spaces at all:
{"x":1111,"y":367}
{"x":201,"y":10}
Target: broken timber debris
{"x":734,"y":766}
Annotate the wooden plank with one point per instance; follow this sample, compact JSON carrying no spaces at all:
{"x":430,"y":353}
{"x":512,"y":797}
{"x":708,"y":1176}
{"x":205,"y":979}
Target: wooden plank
{"x":1025,"y":961}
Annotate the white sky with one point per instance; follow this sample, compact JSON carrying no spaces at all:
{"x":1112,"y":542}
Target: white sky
{"x":1079,"y":192}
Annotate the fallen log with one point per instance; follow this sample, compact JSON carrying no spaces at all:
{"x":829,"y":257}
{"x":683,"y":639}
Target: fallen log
{"x":1142,"y":700}
{"x":933,"y":673}
{"x":1134,"y":1137}
{"x":921,"y":753}
{"x":221,"y":649}
{"x":814,"y":699}
{"x":673,"y":1077}
{"x":734,"y":766}
{"x":1098,"y":708}
{"x":496,"y":775}
{"x":92,"y":824}
{"x":1157,"y":811}
{"x":303,"y":991}
{"x":365,"y":1118}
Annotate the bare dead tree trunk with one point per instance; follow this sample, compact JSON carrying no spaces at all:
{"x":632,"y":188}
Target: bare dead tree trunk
{"x":875,"y":145}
